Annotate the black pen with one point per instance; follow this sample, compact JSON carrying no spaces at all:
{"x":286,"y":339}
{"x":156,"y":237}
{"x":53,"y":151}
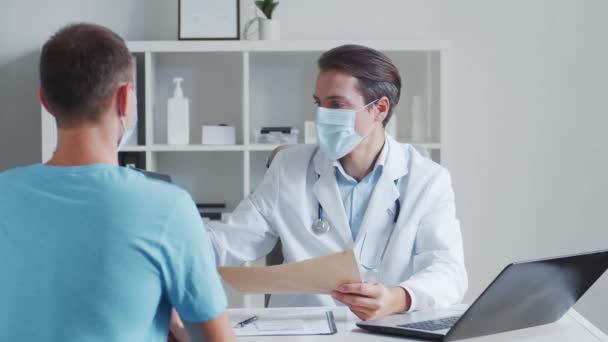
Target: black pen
{"x":247,"y":321}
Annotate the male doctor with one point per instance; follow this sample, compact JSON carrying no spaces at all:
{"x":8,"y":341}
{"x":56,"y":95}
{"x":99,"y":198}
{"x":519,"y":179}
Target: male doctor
{"x":356,"y":189}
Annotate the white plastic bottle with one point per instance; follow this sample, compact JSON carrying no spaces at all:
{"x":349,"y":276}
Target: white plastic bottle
{"x":178,"y":116}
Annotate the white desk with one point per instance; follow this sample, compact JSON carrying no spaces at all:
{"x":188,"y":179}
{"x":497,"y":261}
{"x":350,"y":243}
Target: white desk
{"x":571,"y":328}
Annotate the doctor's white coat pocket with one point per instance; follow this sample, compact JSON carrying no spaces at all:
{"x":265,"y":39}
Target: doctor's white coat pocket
{"x":373,"y":246}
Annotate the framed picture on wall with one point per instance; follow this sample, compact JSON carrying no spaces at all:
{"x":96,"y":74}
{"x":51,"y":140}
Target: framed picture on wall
{"x":208,"y":20}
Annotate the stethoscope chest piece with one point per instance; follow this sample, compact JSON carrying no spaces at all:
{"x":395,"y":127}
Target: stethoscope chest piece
{"x":320,"y":226}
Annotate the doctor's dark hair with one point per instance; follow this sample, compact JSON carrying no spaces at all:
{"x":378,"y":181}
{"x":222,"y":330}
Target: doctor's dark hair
{"x":81,"y":67}
{"x":375,"y":72}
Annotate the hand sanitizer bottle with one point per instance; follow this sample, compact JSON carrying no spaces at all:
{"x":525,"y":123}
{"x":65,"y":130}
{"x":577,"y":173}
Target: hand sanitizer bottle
{"x":178,"y":116}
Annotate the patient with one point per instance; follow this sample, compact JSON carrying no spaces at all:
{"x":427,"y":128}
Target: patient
{"x":90,"y":251}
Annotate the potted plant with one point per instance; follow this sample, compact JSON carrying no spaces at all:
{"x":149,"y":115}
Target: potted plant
{"x":269,"y":28}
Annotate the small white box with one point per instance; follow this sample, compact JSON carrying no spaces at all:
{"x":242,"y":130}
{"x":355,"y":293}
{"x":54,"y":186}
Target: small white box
{"x":219,"y":135}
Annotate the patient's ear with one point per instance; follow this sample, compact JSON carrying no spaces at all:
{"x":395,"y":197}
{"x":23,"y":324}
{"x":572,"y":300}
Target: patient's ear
{"x":43,"y":101}
{"x":122,"y":100}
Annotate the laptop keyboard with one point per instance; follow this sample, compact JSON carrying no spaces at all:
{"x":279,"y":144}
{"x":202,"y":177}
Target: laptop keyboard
{"x":433,"y":325}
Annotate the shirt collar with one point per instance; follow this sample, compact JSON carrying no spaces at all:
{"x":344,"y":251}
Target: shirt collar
{"x":380,"y":162}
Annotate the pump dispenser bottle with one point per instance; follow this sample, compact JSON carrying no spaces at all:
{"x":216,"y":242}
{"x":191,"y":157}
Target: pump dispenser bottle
{"x":178,"y":116}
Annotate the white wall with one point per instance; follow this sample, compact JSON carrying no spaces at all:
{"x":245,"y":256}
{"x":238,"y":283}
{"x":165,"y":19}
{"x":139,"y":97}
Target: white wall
{"x":525,"y":140}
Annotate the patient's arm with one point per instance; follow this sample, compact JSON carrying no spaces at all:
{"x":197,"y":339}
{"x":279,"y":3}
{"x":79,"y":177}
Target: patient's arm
{"x":217,"y":329}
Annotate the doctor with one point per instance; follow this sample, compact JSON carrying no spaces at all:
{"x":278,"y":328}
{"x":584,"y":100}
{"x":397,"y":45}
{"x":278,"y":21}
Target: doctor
{"x":357,"y":189}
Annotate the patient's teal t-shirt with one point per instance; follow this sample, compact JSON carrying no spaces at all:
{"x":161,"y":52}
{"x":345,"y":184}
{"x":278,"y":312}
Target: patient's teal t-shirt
{"x":100,"y":253}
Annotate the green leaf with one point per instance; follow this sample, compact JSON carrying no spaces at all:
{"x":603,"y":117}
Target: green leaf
{"x":260,"y":4}
{"x":266,"y":6}
{"x":273,"y":6}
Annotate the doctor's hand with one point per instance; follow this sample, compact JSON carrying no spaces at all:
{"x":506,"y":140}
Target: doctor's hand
{"x":372,"y":300}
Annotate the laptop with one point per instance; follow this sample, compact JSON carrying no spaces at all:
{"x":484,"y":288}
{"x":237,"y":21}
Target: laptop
{"x":525,"y":294}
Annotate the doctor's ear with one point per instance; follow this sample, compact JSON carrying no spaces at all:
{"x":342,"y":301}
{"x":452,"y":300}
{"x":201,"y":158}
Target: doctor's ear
{"x":382,"y":106}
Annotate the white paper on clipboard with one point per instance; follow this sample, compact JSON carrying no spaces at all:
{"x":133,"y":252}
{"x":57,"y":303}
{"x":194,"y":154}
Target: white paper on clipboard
{"x":284,"y":322}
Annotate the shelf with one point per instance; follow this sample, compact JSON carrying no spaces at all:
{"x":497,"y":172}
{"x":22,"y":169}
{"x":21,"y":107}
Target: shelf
{"x":213,"y":83}
{"x":250,"y":147}
{"x":209,"y":177}
{"x":187,"y":148}
{"x":194,"y":148}
{"x":282,"y":45}
{"x":264,"y":147}
{"x":271,"y":73}
{"x":429,"y":146}
{"x":139,"y":148}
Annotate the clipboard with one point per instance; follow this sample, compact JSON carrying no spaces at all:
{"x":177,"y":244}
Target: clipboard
{"x":277,"y":322}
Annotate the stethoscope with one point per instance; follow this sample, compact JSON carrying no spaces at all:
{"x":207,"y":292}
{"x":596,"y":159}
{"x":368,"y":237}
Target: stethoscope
{"x":321,"y":226}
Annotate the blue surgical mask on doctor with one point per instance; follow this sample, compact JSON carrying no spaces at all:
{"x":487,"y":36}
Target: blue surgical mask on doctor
{"x":128,"y":132}
{"x":336,"y":135}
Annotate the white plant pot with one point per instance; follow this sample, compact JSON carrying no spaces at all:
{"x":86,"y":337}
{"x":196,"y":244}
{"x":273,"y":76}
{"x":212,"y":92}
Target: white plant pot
{"x":270,"y":29}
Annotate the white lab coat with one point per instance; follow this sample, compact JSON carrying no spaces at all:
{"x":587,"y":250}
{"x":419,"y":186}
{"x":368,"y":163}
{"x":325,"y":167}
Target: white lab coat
{"x":424,"y":254}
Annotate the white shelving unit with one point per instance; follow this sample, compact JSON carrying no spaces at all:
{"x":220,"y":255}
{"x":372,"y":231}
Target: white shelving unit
{"x":250,"y":84}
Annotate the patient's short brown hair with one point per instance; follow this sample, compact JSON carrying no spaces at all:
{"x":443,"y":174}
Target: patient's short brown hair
{"x":80,"y":68}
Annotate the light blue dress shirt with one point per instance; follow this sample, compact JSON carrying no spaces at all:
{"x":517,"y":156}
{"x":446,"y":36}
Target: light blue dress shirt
{"x":356,"y":195}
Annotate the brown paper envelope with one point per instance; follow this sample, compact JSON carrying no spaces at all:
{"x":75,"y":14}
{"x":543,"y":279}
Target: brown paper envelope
{"x":318,"y":275}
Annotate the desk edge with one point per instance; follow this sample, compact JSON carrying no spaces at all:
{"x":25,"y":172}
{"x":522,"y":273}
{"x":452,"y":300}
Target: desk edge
{"x":587,"y":325}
